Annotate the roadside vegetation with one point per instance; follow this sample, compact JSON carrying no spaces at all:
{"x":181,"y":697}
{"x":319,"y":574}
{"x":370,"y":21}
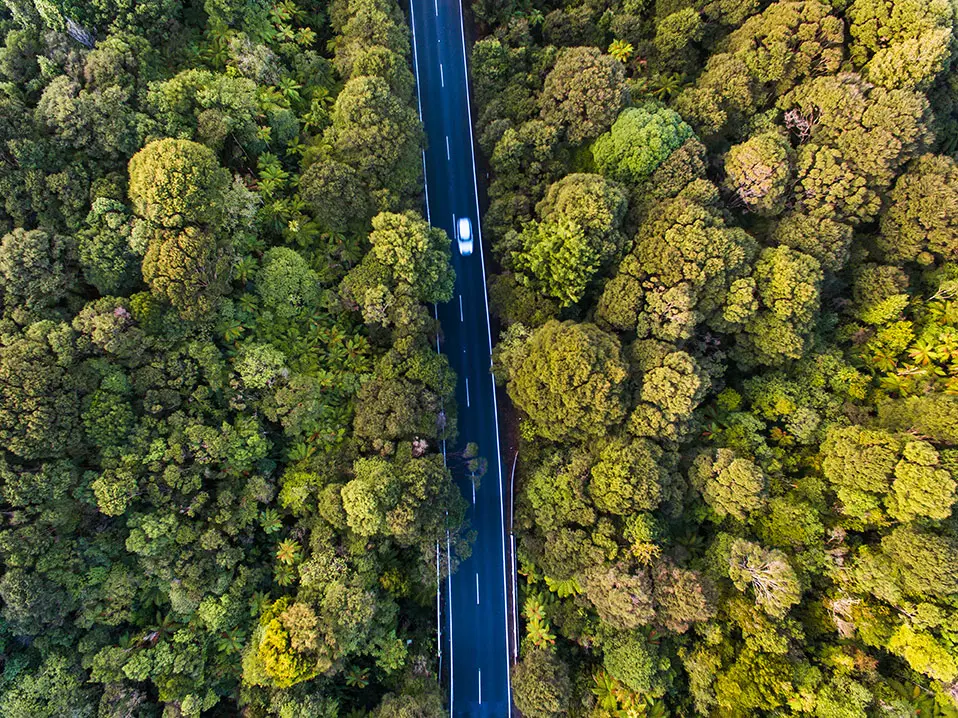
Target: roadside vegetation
{"x":219,"y":408}
{"x":728,"y":235}
{"x":727,"y":247}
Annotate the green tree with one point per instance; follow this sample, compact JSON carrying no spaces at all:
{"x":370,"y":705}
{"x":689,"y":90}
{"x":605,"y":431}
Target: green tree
{"x":286,"y":285}
{"x":417,"y":255}
{"x":859,"y":464}
{"x":336,"y":195}
{"x":921,"y":488}
{"x":622,"y":597}
{"x":860,"y":136}
{"x":640,"y":140}
{"x":768,"y":573}
{"x":820,"y":237}
{"x":924,"y":564}
{"x":631,"y":659}
{"x":769,"y":54}
{"x":40,"y":391}
{"x":919,"y":225}
{"x":541,"y":685}
{"x":759,"y":172}
{"x":905,"y":45}
{"x":577,"y":235}
{"x":675,"y":32}
{"x":690,"y":264}
{"x":378,"y":135}
{"x":56,"y":689}
{"x":628,"y":477}
{"x":583,"y":93}
{"x":105,"y":256}
{"x":787,"y":287}
{"x":731,"y":486}
{"x":408,"y":396}
{"x":177,"y":182}
{"x":568,"y":378}
{"x":188,"y":268}
{"x":682,"y":597}
{"x":35,"y":270}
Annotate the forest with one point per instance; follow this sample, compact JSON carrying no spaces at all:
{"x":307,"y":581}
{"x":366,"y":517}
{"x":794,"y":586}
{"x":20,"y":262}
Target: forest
{"x":727,"y":236}
{"x":724,"y":242}
{"x":219,"y":404}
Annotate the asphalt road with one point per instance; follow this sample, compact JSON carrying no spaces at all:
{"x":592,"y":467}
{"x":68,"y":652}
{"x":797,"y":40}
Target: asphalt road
{"x":475,"y":621}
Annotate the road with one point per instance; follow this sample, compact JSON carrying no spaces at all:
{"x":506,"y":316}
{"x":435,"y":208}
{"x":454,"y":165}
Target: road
{"x":475,"y":624}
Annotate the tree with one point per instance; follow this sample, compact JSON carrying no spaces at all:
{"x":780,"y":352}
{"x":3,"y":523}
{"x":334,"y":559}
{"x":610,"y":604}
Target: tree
{"x":787,"y":287}
{"x":568,"y":378}
{"x":579,"y":234}
{"x":919,"y":224}
{"x":286,"y":647}
{"x":769,"y":54}
{"x":177,"y":182}
{"x":583,"y":93}
{"x":54,"y":690}
{"x":921,"y":488}
{"x":409,"y":395}
{"x":924,"y":654}
{"x":556,"y":490}
{"x":689,"y":263}
{"x":731,"y":486}
{"x":859,"y":464}
{"x":212,"y":108}
{"x":759,"y":171}
{"x":286,"y":285}
{"x":102,"y":122}
{"x":622,"y":597}
{"x":639,"y":141}
{"x":541,"y":685}
{"x":40,"y":391}
{"x":682,"y":597}
{"x":105,"y":256}
{"x":627,"y":477}
{"x":769,"y":575}
{"x":630,"y":658}
{"x":820,"y":237}
{"x":903,"y":45}
{"x":923,"y":563}
{"x":336,"y":196}
{"x":417,"y":255}
{"x":378,"y":135}
{"x":860,"y":136}
{"x":675,"y":32}
{"x":188,"y":268}
{"x":418,"y":702}
{"x":671,"y":385}
{"x":34,"y":269}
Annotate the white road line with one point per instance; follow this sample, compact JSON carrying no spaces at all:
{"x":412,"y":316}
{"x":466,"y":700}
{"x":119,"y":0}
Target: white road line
{"x":477,"y":589}
{"x":515,"y":619}
{"x":447,"y":147}
{"x":449,"y":586}
{"x":495,"y":408}
{"x":442,"y":77}
{"x":437,"y":7}
{"x":473,"y":492}
{"x":438,"y":611}
{"x":460,"y":309}
{"x":467,"y":392}
{"x":480,"y":687}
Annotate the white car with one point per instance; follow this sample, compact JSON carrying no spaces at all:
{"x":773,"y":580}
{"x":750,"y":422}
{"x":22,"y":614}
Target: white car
{"x":464,"y":236}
